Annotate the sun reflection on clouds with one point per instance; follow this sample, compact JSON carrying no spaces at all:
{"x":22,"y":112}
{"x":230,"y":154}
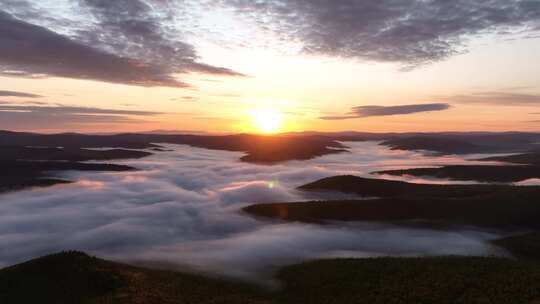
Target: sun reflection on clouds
{"x":92,"y":184}
{"x":239,"y":185}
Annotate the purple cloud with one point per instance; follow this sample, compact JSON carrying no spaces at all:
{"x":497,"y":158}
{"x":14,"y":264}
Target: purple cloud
{"x":369,"y":111}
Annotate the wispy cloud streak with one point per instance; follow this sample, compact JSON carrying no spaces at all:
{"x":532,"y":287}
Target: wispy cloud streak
{"x":5,"y":93}
{"x":369,"y":111}
{"x":31,"y":117}
{"x":496,"y":98}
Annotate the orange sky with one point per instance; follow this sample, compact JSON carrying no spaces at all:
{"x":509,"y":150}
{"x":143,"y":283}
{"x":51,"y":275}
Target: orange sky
{"x":493,"y":86}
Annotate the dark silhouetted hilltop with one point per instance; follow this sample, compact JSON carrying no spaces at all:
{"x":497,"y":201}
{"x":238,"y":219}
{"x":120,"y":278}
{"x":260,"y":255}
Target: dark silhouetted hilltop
{"x":466,"y":143}
{"x":524,"y":246}
{"x":66,"y":154}
{"x":258,"y":148}
{"x":480,"y":173}
{"x":74,"y":277}
{"x":495,"y":206}
{"x":17,"y":174}
{"x":531,"y":158}
{"x":369,"y":187}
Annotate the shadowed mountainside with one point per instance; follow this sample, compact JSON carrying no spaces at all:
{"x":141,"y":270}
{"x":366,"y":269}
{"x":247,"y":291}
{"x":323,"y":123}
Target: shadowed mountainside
{"x":466,"y":143}
{"x":370,"y":187}
{"x":259,"y":148}
{"x":18,"y":174}
{"x":489,"y":211}
{"x":290,"y":146}
{"x":441,"y":280}
{"x":496,"y":206}
{"x":66,"y":154}
{"x":529,"y":167}
{"x":531,"y":158}
{"x":480,"y":173}
{"x":59,"y":152}
{"x":441,"y":145}
{"x":524,"y":246}
{"x":74,"y":277}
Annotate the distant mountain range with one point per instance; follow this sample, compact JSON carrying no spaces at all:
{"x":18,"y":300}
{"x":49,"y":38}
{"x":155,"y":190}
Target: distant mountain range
{"x":19,"y":149}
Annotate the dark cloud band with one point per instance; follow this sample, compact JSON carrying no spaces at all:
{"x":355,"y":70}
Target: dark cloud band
{"x":18,"y":94}
{"x":118,"y":50}
{"x":31,"y":117}
{"x":368,"y":111}
{"x":496,"y":98}
{"x":410,"y":32}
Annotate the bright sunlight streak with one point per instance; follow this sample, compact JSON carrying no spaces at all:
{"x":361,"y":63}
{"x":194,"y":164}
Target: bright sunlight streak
{"x":266,"y":120}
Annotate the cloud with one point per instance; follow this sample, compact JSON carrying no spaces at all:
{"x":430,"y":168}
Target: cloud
{"x":369,"y":111}
{"x":410,"y":32}
{"x":496,"y":98}
{"x":18,"y":94}
{"x":60,"y":116}
{"x":185,"y":98}
{"x":117,"y":49}
{"x":73,"y":110}
{"x":154,"y":34}
{"x":32,"y":51}
{"x":150,"y":37}
{"x":135,"y":28}
{"x":183,"y":209}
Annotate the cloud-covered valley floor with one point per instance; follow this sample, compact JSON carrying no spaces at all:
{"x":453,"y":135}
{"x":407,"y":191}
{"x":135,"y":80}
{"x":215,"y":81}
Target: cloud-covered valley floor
{"x":182,"y":210}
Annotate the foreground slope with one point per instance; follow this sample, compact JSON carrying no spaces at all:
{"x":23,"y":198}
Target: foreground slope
{"x":412,"y":280}
{"x":73,"y":277}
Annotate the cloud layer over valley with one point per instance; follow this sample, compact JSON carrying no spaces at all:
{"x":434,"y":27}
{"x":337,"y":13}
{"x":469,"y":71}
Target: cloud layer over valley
{"x":182,"y":209}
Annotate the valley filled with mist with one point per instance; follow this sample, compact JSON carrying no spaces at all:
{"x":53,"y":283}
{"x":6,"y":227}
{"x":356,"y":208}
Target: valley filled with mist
{"x":182,"y":207}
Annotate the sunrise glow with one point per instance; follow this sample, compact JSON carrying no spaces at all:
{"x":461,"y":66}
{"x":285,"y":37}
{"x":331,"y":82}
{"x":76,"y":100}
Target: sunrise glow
{"x":242,"y":140}
{"x":266,"y":121}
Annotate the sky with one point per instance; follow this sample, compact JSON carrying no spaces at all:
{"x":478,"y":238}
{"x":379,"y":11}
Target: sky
{"x":267,"y":66}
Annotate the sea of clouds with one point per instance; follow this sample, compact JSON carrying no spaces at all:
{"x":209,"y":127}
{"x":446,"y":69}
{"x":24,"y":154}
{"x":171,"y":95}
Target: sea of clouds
{"x":182,"y":210}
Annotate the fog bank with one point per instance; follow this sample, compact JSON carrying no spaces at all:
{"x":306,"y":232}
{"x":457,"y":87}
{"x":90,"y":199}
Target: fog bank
{"x":182,"y":210}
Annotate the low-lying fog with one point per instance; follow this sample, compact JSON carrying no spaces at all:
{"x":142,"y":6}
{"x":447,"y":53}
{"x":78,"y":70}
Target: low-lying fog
{"x":182,"y":210}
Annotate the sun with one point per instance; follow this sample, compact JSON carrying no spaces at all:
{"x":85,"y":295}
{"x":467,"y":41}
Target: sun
{"x":266,"y":120}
